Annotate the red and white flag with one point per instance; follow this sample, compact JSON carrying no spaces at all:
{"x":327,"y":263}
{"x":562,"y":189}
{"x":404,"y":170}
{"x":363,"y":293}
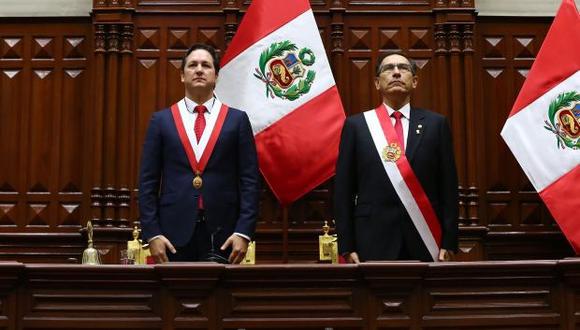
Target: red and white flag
{"x":277,"y":71}
{"x":543,"y":129}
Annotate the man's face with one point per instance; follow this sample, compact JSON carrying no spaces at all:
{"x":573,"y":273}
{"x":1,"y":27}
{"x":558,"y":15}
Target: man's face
{"x":199,"y":71}
{"x":395,"y":76}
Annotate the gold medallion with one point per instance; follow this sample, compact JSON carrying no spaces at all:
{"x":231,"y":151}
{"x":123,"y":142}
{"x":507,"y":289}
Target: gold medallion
{"x":392,"y":152}
{"x":197,"y":182}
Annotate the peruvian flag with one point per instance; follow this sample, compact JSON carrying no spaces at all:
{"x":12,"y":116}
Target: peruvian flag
{"x":543,"y":129}
{"x":276,"y":70}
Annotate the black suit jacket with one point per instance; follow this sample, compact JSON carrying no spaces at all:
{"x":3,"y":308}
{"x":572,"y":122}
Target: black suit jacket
{"x":167,"y":200}
{"x":370,"y":218}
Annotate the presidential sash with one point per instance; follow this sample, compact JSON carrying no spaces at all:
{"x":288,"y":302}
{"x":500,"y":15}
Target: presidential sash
{"x":205,"y":146}
{"x":403,"y":178}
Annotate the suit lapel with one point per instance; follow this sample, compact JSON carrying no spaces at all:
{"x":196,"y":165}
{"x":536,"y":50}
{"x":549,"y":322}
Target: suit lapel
{"x":415,"y":135}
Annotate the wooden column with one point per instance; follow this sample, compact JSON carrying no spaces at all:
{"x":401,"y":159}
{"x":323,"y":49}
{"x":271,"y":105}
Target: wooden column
{"x":97,"y":124}
{"x":472,"y":186}
{"x":337,"y":39}
{"x":457,"y":111}
{"x":231,"y":11}
{"x":124,"y":128}
{"x":110,"y":120}
{"x":114,"y":130}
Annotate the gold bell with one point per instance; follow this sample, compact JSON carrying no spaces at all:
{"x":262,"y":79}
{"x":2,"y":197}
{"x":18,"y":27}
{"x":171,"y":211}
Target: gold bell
{"x":90,"y":254}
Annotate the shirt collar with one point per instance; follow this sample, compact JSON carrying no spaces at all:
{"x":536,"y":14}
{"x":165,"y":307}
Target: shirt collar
{"x":405,"y":110}
{"x":190,"y":104}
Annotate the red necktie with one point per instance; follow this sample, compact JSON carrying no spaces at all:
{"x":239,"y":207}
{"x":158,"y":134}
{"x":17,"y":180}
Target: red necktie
{"x":199,"y":121}
{"x":198,"y":128}
{"x":399,"y":129}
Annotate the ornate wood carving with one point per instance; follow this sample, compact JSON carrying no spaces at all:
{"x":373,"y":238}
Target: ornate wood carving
{"x":76,"y":97}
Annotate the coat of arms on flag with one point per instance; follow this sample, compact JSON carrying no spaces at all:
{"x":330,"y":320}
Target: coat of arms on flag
{"x":276,"y":70}
{"x":564,"y":119}
{"x":283,"y":69}
{"x":548,"y":106}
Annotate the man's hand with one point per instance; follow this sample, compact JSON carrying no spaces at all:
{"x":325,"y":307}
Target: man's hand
{"x":352,"y":258}
{"x":446,"y":255}
{"x":239,"y":248}
{"x":158,"y":248}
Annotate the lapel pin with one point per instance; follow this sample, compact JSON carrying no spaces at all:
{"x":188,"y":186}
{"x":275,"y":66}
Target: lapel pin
{"x":418,"y":131}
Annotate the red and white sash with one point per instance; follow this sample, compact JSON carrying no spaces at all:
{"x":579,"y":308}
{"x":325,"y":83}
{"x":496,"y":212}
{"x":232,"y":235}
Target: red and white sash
{"x":198,"y":154}
{"x":404,"y":181}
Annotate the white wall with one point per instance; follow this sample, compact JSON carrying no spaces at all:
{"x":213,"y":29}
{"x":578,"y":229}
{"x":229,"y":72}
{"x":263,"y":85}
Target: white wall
{"x":29,"y":8}
{"x":518,"y":7}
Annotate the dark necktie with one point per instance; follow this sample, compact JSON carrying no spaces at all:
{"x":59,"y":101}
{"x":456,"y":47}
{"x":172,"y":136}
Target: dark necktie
{"x":199,"y":121}
{"x":399,"y":129}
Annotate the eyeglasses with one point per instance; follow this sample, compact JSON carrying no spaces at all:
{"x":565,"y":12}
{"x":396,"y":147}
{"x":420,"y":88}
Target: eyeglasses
{"x":403,"y":67}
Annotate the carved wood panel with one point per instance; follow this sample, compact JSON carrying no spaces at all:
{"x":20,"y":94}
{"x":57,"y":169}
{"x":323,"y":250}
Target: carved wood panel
{"x":76,"y":97}
{"x":45,"y":100}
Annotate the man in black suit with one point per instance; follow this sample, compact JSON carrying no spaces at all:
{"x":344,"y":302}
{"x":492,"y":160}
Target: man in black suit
{"x":199,"y":178}
{"x":396,"y":194}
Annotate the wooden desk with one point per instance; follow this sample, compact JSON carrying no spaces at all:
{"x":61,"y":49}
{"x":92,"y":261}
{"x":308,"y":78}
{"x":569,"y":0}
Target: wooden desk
{"x":475,"y":295}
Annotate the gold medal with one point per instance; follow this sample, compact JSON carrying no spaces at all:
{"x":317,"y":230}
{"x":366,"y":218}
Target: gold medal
{"x":197,"y":181}
{"x":391,"y":153}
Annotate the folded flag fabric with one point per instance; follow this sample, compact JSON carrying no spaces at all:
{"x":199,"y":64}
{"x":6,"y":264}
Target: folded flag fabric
{"x":543,"y":128}
{"x":276,"y":69}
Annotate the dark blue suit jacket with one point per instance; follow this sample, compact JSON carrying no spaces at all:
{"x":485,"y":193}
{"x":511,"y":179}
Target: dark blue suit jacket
{"x":370,"y":218}
{"x":167,"y":200}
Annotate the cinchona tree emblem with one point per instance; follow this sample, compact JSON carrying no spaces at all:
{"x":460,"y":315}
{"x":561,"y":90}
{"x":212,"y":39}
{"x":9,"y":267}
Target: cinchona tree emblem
{"x":564,"y":119}
{"x":284,"y":70}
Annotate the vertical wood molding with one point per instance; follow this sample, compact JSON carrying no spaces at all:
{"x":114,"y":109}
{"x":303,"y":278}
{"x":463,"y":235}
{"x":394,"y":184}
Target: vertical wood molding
{"x":231,"y":11}
{"x":124,"y":127}
{"x":472,"y":184}
{"x":337,"y":12}
{"x":112,"y":194}
{"x":110,"y":123}
{"x":99,"y":91}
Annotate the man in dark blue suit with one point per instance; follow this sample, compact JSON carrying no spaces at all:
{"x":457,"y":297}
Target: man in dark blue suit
{"x":396,"y":190}
{"x":199,"y":181}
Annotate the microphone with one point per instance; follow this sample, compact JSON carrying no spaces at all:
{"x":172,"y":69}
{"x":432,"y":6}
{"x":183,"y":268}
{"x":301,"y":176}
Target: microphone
{"x":212,"y":254}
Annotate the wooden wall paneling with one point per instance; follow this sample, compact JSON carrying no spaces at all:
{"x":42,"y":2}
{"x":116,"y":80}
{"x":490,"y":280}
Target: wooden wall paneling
{"x":454,"y":54}
{"x":336,"y":60}
{"x":124,"y":180}
{"x":44,"y":91}
{"x":12,"y":101}
{"x":519,"y":224}
{"x":457,"y":115}
{"x":42,"y":247}
{"x":75,"y":146}
{"x":451,"y":17}
{"x":359,"y":65}
{"x":471,"y":127}
{"x":76,"y":104}
{"x":112,"y":189}
{"x":39,"y":151}
{"x":97,"y":193}
{"x":110,"y":123}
